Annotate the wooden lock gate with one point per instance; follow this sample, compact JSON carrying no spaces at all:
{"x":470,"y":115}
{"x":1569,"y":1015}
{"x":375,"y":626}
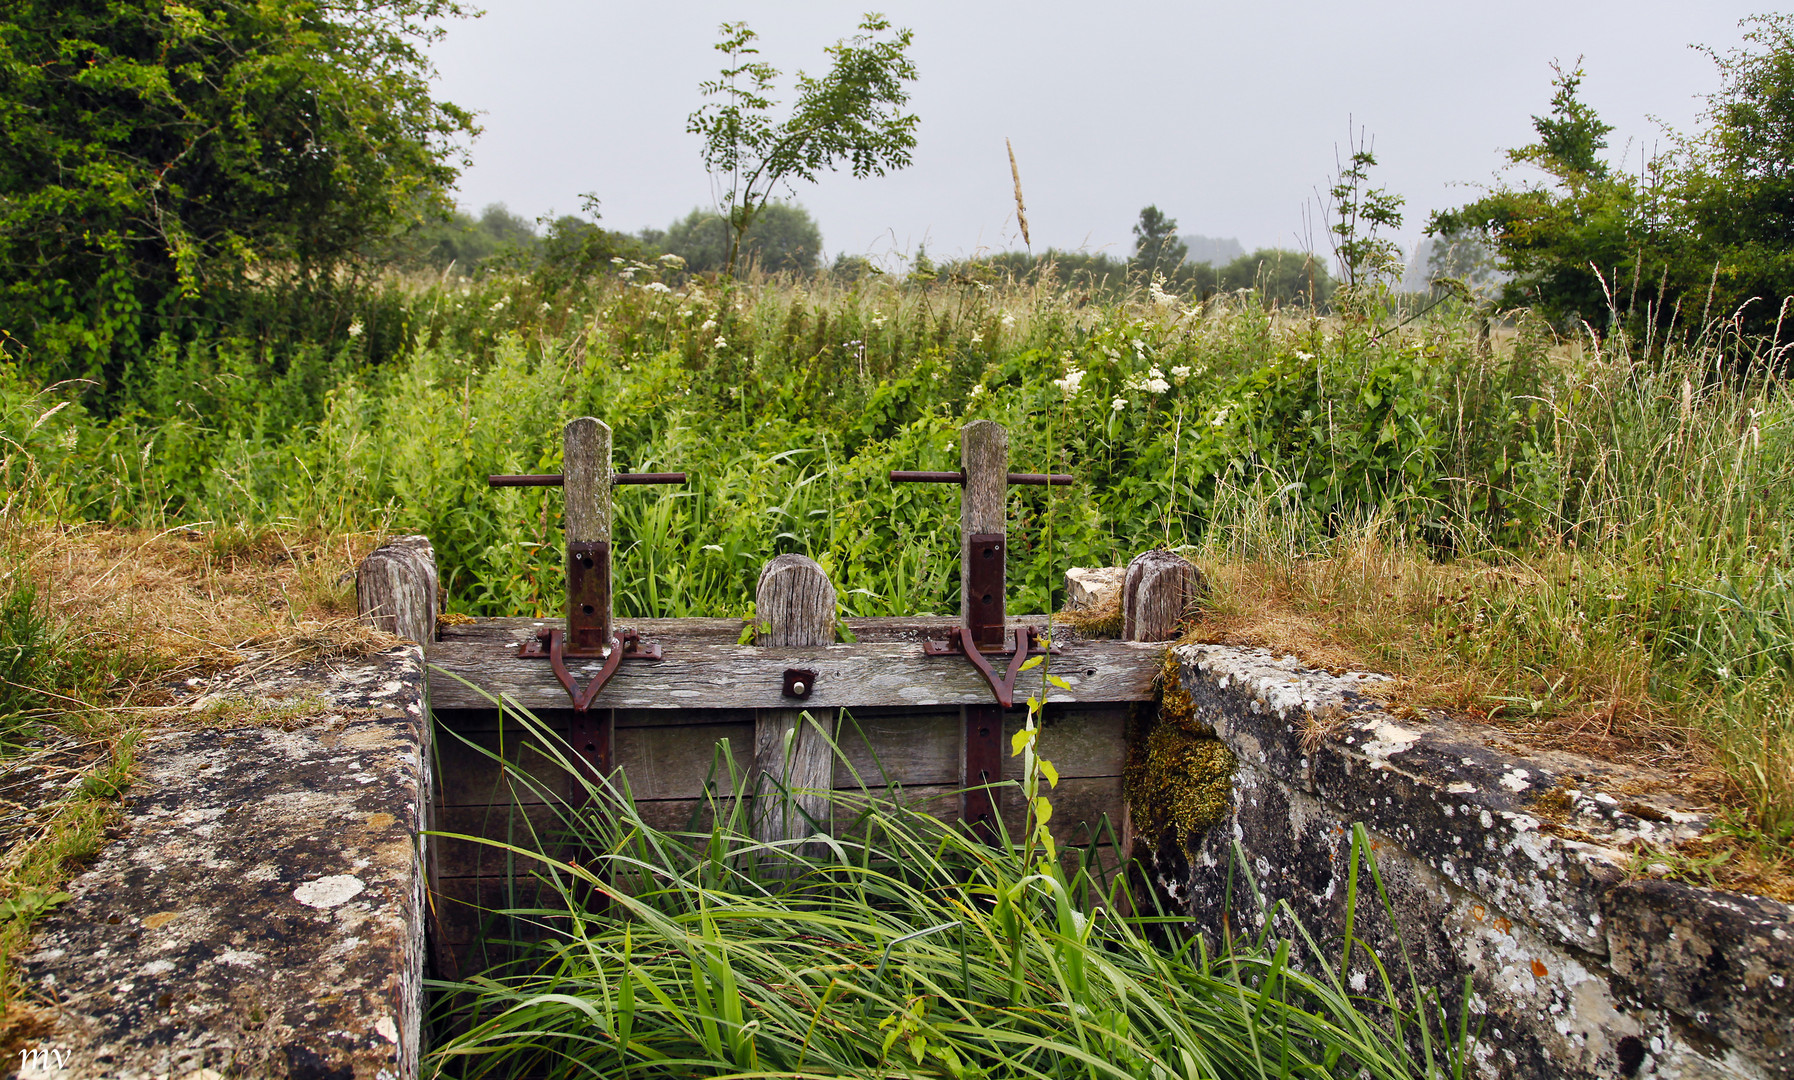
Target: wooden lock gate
{"x":903,"y":702}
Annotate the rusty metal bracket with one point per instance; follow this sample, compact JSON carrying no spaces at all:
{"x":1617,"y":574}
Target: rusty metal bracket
{"x":1024,"y":641}
{"x":550,"y":642}
{"x":799,"y":682}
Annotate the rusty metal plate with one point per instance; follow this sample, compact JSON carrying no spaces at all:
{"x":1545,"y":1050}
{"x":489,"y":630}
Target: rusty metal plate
{"x":984,"y":578}
{"x":588,"y":597}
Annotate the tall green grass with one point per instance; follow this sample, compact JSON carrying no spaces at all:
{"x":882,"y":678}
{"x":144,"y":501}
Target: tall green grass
{"x":895,"y":945}
{"x":1648,"y":488}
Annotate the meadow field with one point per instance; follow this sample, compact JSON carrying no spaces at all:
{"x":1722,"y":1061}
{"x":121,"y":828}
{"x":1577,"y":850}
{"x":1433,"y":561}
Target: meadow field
{"x":1583,"y":540}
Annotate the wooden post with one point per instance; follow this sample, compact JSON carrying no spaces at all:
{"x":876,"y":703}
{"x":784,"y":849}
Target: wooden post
{"x":984,"y":457}
{"x":794,"y":761}
{"x":586,"y":487}
{"x":1160,"y":588}
{"x":395,"y":588}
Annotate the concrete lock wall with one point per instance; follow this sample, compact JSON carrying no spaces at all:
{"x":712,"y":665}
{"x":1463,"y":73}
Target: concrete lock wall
{"x":1508,"y":869}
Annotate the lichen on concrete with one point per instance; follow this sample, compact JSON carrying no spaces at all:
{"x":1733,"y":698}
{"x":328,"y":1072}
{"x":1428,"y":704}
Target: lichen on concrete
{"x":262,"y":911}
{"x":1514,"y":871}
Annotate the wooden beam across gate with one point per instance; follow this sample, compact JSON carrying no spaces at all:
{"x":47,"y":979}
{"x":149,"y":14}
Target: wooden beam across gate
{"x":705,"y":668}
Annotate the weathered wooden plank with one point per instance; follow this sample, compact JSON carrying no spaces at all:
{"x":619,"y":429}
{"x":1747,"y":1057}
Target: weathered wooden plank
{"x":536,"y":826}
{"x":1078,"y":807}
{"x":699,"y":675}
{"x":918,"y":748}
{"x":507,"y":632}
{"x":924,"y":748}
{"x":468,"y":777}
{"x":984,"y":458}
{"x":673,"y":760}
{"x":793,"y":758}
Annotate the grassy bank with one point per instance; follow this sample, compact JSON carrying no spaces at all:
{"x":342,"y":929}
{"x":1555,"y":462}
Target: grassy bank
{"x":1581,"y":539}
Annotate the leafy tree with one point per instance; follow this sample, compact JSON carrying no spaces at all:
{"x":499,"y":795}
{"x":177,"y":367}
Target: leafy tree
{"x":853,"y":114}
{"x":1705,"y":233}
{"x":1464,"y":257}
{"x":782,"y":237}
{"x":155,"y":157}
{"x":1360,"y":215}
{"x":573,"y":248}
{"x":1738,"y":190}
{"x":1571,"y":137}
{"x":1157,"y":249}
{"x":1560,"y":237}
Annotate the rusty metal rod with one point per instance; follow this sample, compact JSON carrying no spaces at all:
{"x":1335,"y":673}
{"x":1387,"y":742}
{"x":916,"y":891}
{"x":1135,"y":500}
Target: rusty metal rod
{"x":556,"y":479}
{"x":899,"y":476}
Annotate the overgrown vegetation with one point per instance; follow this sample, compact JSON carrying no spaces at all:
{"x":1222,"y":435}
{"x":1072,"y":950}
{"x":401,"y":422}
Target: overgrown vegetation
{"x":902,"y":946}
{"x":1619,"y":523}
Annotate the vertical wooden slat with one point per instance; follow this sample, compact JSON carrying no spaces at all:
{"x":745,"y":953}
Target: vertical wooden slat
{"x":984,"y":457}
{"x":794,"y":760}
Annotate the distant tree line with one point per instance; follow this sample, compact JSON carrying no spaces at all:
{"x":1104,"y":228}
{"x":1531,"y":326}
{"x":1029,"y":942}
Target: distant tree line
{"x":1281,"y":277}
{"x":781,"y":238}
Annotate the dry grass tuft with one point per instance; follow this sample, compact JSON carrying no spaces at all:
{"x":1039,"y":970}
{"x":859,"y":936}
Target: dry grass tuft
{"x":186,"y":602}
{"x":1097,"y":622}
{"x":1375,"y":608}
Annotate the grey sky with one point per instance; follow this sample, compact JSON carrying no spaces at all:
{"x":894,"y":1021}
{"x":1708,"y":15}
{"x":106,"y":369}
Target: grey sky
{"x":1226,"y":115}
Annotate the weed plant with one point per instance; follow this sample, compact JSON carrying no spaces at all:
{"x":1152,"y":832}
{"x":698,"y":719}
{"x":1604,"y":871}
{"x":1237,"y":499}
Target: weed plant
{"x":896,"y":945}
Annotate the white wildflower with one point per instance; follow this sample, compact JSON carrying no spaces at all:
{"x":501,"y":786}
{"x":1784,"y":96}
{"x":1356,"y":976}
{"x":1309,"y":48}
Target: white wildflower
{"x":355,"y":328}
{"x":616,"y":260}
{"x":1118,"y":404}
{"x":978,"y":391}
{"x":1300,"y":355}
{"x":1159,"y":295}
{"x":977,"y":339}
{"x":500,"y":306}
{"x":722,"y":342}
{"x":546,"y":307}
{"x":627,"y":273}
{"x":1008,"y":320}
{"x":709,"y":325}
{"x":1069,"y":385}
{"x":657,"y":287}
{"x":671,"y":259}
{"x":1180,"y":372}
{"x":878,"y":320}
{"x":1157,"y":386}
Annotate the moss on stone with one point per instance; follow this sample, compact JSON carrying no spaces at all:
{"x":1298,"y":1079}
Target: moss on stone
{"x":1178,"y":776}
{"x":1182,"y":782}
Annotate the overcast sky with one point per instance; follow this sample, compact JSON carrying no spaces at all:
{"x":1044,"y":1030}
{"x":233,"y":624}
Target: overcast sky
{"x":1225,"y":115}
